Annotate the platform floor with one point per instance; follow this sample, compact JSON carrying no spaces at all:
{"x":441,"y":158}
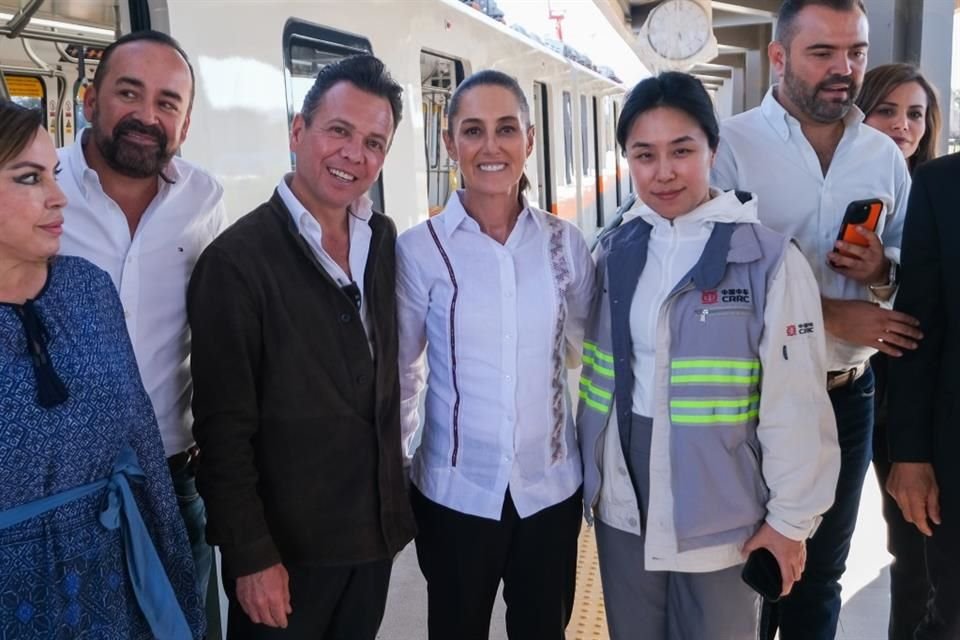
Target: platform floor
{"x":865,"y":587}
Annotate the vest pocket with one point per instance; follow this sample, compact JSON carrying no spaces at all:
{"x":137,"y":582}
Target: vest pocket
{"x":717,"y":484}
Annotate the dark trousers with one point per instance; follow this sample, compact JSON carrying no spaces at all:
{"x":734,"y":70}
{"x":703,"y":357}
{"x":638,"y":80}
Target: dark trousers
{"x":194,"y":515}
{"x":909,"y":584}
{"x":942,"y":616}
{"x":329,"y":603}
{"x":812,"y":610}
{"x":464,"y":558}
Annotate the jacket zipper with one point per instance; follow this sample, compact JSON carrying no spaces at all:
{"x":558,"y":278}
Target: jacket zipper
{"x":704,"y":313}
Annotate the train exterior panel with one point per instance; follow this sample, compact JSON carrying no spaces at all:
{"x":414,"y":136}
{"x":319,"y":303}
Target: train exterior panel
{"x":254,"y":61}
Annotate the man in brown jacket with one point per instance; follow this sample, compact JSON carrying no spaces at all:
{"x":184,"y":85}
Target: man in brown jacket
{"x":296,"y":395}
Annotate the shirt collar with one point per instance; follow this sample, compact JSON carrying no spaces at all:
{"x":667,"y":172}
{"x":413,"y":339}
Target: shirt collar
{"x":721,"y":207}
{"x":783,"y":123}
{"x":454,"y":214}
{"x":361,"y":208}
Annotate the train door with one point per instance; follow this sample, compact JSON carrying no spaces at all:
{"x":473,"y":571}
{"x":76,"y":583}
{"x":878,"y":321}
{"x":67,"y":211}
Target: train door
{"x":541,"y":115}
{"x":588,"y":163}
{"x":565,"y":205}
{"x":608,"y":154}
{"x":601,"y":161}
{"x":307,"y":48}
{"x":439,"y":76}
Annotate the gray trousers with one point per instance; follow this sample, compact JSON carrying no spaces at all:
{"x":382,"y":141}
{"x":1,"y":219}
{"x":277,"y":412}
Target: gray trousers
{"x":666,"y":605}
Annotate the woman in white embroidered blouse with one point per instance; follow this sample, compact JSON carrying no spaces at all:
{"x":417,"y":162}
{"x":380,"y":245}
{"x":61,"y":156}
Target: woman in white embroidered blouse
{"x":496,"y":292}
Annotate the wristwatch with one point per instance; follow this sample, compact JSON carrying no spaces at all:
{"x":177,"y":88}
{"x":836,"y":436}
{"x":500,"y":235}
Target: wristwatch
{"x":885,"y":290}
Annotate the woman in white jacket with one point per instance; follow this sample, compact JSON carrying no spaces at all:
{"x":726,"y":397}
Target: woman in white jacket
{"x":496,"y":291}
{"x":704,"y":422}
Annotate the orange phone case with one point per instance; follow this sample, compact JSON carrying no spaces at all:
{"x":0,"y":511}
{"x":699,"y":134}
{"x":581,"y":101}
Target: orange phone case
{"x":865,"y":213}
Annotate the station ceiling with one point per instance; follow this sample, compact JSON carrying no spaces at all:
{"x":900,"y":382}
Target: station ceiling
{"x":743,"y":29}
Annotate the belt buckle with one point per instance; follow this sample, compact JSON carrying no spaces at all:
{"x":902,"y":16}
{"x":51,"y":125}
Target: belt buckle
{"x":840,"y":379}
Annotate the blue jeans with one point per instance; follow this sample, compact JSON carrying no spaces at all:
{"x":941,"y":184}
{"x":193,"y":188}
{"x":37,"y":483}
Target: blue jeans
{"x":194,"y":516}
{"x":812,"y":610}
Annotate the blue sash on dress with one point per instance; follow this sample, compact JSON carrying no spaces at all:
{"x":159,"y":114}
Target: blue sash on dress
{"x":147,"y":575}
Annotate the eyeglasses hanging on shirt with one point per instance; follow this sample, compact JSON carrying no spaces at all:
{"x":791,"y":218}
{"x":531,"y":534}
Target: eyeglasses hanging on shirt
{"x":353,"y":292}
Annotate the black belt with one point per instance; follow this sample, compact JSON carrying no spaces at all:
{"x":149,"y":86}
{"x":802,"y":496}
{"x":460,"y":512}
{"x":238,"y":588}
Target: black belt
{"x":184,"y":459}
{"x":846,"y":377}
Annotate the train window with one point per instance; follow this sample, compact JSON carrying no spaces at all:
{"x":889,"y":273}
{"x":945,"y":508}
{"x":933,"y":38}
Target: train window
{"x":439,"y":76}
{"x":584,"y":137}
{"x":79,"y":91}
{"x":568,"y":137}
{"x":28,"y":91}
{"x":307,"y":48}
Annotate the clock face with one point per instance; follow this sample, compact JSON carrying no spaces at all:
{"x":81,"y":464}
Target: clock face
{"x":678,"y":29}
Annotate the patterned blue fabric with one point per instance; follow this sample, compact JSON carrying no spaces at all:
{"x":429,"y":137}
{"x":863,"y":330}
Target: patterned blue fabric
{"x":62,"y":574}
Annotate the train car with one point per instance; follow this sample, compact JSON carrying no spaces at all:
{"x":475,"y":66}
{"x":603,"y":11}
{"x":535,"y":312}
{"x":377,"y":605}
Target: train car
{"x":255,"y":60}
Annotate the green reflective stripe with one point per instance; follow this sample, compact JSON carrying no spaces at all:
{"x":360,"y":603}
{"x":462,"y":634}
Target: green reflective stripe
{"x":589,"y":347}
{"x":715,"y":364}
{"x":715,"y":403}
{"x":732,"y":418}
{"x":593,"y":404}
{"x":587,"y":385}
{"x":602,"y":370}
{"x":713,"y":379}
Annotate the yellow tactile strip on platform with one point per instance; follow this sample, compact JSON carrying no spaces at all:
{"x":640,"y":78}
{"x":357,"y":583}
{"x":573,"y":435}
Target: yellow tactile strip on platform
{"x":589,"y":620}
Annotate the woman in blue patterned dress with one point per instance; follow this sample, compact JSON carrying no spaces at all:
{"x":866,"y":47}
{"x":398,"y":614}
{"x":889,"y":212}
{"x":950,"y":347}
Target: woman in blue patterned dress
{"x":91,"y":543}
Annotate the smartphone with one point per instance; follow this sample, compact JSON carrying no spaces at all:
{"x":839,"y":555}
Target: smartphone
{"x":865,"y":213}
{"x":761,"y":572}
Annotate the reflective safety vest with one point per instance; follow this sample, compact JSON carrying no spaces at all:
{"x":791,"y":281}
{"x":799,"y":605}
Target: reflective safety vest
{"x":713,"y":324}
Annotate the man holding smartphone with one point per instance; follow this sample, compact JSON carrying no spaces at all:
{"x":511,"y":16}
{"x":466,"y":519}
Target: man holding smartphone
{"x":807,"y":155}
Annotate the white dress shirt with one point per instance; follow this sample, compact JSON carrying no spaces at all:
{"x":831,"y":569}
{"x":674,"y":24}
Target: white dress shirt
{"x":360,"y":236}
{"x":764,"y":151}
{"x":150,"y":270}
{"x":498,"y":414}
{"x":672,"y":250}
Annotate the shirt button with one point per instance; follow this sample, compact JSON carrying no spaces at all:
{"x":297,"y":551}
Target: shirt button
{"x":633,"y":522}
{"x":345,"y":318}
{"x":508,"y":377}
{"x":622,"y":470}
{"x":361,"y":379}
{"x":508,"y":336}
{"x":508,"y":294}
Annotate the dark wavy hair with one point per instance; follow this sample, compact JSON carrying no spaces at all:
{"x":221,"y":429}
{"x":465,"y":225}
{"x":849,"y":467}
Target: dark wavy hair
{"x":18,"y":128}
{"x":365,"y":72}
{"x":877,"y":85}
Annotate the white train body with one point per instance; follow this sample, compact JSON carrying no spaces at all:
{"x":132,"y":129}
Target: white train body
{"x":255,"y":59}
